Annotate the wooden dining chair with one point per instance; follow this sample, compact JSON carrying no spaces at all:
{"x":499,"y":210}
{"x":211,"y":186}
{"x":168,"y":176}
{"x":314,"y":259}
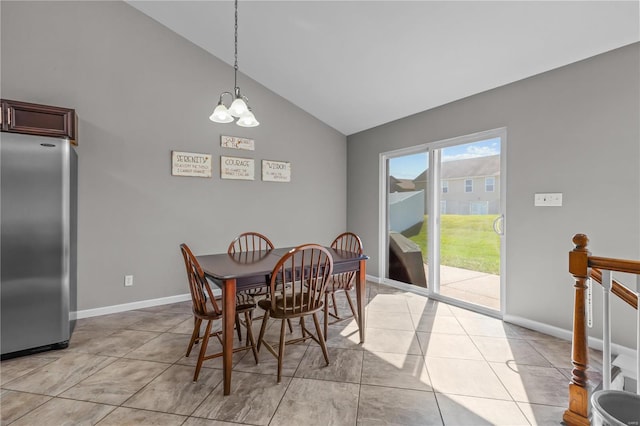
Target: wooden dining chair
{"x":350,"y":242}
{"x":250,"y":242}
{"x":296,"y":290}
{"x":205,"y":308}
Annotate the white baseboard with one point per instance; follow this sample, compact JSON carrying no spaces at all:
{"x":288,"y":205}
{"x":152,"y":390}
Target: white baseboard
{"x":114,"y":309}
{"x":541,"y":327}
{"x":625,"y":356}
{"x":374,"y":279}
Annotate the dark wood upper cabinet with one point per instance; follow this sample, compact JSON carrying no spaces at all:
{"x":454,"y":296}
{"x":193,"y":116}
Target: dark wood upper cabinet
{"x":36,"y":119}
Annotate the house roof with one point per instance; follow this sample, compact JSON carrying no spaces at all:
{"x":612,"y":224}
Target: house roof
{"x":471,"y":167}
{"x":401,"y":184}
{"x":467,"y":168}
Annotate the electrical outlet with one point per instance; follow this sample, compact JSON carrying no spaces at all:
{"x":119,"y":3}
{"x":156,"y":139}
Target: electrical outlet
{"x":128,"y":280}
{"x":548,"y":200}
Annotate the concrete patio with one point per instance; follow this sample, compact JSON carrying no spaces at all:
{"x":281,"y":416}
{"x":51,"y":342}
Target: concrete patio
{"x":470,"y":286}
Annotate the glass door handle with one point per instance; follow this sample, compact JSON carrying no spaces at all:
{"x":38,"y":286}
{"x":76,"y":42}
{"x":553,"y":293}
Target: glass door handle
{"x":498,"y":225}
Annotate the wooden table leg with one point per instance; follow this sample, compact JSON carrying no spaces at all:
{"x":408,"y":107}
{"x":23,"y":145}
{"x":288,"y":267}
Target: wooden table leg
{"x":228,"y":321}
{"x":361,"y":294}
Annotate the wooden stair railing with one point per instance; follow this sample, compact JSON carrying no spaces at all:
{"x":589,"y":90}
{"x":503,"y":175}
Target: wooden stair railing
{"x":627,"y":296}
{"x":582,"y":266}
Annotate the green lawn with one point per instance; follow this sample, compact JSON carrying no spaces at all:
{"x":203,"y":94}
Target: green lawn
{"x":467,"y":241}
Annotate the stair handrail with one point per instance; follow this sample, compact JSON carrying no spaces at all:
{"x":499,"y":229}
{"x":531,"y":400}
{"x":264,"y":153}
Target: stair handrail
{"x":583,"y":266}
{"x":617,"y":288}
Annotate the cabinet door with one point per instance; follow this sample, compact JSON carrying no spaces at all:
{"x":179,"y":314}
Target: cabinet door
{"x":35,"y":119}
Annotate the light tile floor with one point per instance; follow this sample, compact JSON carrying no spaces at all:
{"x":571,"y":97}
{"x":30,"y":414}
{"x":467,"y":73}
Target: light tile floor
{"x":423,"y":363}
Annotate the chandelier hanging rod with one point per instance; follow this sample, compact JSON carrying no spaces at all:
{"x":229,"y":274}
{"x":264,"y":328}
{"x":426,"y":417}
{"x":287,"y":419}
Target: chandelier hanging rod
{"x":239,"y":107}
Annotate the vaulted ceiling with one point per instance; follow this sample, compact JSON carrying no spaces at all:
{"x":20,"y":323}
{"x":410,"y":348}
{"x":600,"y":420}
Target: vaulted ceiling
{"x":358,"y":64}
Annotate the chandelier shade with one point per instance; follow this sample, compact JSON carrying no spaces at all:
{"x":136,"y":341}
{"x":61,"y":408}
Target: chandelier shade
{"x":221,"y":113}
{"x":247,"y":119}
{"x":239,"y":107}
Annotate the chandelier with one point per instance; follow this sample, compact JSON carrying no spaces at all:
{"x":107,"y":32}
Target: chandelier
{"x":239,"y":108}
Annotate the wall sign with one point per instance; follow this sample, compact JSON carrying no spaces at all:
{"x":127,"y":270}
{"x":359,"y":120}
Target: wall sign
{"x":276,"y":171}
{"x":191,"y":164}
{"x":237,"y":143}
{"x":236,"y":168}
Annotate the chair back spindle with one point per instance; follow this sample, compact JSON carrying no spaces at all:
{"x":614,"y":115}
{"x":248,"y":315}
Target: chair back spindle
{"x":346,"y":242}
{"x":299,"y":280}
{"x":350,"y":242}
{"x":245,"y":247}
{"x":198,"y":285}
{"x":250,"y":241}
{"x":296,"y":290}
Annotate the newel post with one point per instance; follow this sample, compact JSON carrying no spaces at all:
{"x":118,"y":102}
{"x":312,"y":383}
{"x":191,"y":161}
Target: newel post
{"x":578,"y":411}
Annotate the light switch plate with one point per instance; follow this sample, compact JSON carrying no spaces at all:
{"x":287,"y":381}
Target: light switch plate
{"x":548,"y":199}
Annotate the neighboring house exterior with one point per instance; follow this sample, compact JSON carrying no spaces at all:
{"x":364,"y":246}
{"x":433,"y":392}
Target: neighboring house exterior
{"x":400,"y":185}
{"x":469,"y":186}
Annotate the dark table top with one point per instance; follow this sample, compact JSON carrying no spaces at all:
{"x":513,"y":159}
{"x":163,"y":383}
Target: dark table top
{"x":255,"y":267}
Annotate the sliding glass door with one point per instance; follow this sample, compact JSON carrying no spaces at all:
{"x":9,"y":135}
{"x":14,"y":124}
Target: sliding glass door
{"x":408,"y":206}
{"x":443,"y":225}
{"x":470,"y":222}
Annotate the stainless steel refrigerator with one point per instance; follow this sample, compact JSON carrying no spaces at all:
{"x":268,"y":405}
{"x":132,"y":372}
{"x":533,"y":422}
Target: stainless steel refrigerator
{"x":38,"y":221}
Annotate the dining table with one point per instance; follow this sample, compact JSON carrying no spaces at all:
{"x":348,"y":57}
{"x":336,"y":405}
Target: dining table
{"x":252,"y":269}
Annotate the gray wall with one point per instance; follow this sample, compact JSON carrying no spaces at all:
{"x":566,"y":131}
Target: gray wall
{"x":573,"y":130}
{"x":140,"y":92}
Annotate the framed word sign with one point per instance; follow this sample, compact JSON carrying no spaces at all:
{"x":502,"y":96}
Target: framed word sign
{"x":276,"y":171}
{"x":237,"y":143}
{"x":236,"y":168}
{"x":191,"y":164}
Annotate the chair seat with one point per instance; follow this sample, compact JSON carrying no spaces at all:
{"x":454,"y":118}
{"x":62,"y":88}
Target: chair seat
{"x":246,"y":304}
{"x":244,"y":299}
{"x":245,"y":307}
{"x":281,"y":312}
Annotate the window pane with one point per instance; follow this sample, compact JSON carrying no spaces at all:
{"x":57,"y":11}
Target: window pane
{"x":489,"y":184}
{"x":407,"y":219}
{"x":467,"y":252}
{"x":468,"y":185}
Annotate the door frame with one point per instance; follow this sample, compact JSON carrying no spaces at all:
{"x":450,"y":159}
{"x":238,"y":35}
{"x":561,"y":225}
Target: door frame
{"x":433,"y":195}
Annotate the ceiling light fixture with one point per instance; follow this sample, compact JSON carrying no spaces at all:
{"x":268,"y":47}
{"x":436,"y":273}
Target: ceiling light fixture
{"x":239,"y":108}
